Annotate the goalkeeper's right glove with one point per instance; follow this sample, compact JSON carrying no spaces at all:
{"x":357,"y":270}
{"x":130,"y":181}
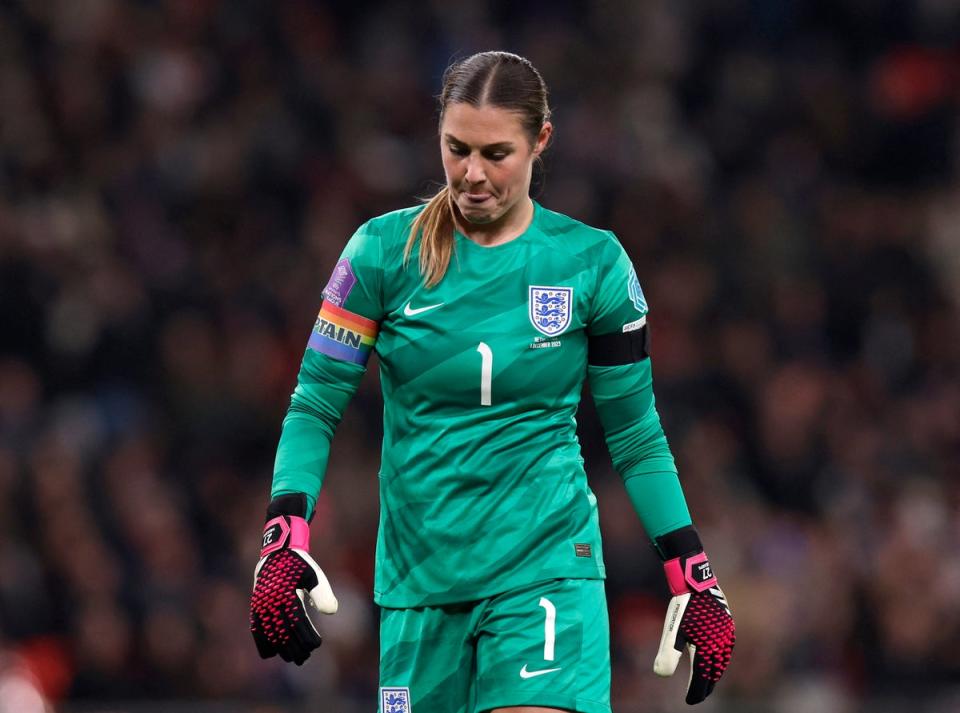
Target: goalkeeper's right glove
{"x":698,"y":616}
{"x":278,"y":617}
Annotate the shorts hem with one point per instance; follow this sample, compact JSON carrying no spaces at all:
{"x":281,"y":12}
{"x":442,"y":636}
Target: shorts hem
{"x":526,"y":698}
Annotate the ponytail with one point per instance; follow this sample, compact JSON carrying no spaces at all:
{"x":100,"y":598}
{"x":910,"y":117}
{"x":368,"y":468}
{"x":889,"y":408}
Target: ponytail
{"x":435,"y":226}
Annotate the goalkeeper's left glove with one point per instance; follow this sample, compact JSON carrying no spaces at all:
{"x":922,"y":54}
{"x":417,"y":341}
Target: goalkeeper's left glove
{"x":698,"y":617}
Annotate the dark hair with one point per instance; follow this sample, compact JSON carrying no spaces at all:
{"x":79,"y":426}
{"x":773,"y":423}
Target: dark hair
{"x":499,"y":79}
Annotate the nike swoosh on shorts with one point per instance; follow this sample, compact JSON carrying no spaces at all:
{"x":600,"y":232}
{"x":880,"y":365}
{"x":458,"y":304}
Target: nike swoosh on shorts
{"x":530,"y":674}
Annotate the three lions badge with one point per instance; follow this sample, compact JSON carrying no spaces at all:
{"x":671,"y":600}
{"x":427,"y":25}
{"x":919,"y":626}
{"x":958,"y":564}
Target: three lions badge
{"x":550,"y":308}
{"x":395,"y":699}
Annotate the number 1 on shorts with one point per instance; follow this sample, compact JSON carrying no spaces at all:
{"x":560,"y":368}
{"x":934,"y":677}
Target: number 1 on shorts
{"x":549,"y":628}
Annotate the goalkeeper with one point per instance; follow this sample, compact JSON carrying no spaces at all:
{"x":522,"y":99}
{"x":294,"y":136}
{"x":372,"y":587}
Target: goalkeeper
{"x":487,"y":311}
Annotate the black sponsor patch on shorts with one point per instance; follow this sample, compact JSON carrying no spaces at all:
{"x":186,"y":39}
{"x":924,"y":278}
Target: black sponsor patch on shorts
{"x":582,"y":550}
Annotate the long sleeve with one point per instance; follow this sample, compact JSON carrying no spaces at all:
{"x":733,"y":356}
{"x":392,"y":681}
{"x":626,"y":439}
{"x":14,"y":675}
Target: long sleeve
{"x":624,"y":399}
{"x":340,"y":344}
{"x":622,"y":385}
{"x":324,"y":388}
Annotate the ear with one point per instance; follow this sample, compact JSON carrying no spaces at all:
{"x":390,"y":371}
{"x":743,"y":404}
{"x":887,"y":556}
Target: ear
{"x":543,"y":138}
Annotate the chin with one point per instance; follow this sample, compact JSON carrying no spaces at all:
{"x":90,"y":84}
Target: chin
{"x":478,"y":217}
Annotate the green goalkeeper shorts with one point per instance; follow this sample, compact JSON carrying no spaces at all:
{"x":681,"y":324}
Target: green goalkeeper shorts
{"x":546,"y":644}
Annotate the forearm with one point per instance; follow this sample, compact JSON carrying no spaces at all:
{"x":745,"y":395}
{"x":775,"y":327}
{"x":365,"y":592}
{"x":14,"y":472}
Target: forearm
{"x":659,"y":502}
{"x":638,"y":446}
{"x":650,"y":476}
{"x":324,"y":388}
{"x":301,"y":460}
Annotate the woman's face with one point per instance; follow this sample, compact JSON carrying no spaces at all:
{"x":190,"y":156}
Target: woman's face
{"x":488,"y":160}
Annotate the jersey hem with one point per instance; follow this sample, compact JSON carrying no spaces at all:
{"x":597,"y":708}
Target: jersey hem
{"x":439,"y":600}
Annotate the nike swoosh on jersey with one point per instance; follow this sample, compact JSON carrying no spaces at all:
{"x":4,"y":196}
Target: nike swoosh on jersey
{"x":412,"y":312}
{"x":530,"y":674}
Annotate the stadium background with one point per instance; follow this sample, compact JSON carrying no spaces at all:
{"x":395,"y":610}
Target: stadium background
{"x":177,"y":178}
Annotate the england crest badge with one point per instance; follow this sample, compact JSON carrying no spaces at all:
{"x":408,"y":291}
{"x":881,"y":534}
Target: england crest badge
{"x":395,"y":700}
{"x":550,"y":308}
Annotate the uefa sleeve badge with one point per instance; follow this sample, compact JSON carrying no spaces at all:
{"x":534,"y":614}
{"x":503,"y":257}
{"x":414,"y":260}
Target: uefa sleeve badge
{"x":636,"y":294}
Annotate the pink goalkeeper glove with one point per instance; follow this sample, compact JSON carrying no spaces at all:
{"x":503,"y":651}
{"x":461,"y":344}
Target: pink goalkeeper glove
{"x":698,"y":616}
{"x":285,"y":572}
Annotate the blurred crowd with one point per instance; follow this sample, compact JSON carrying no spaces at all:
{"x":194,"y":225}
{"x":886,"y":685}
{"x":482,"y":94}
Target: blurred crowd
{"x":178,"y":177}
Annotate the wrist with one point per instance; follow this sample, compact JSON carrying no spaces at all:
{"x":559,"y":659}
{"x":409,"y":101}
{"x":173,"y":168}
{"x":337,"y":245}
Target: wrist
{"x":286,"y":525}
{"x":285,"y":531}
{"x":288,"y":504}
{"x":685,"y":564}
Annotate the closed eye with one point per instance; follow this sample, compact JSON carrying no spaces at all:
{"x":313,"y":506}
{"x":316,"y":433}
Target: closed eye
{"x":492,"y":152}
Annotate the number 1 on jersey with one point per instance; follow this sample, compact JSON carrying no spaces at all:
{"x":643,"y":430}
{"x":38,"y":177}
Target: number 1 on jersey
{"x":486,"y":373}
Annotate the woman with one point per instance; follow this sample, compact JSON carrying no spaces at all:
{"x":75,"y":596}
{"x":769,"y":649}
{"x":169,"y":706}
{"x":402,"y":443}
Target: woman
{"x":487,"y":311}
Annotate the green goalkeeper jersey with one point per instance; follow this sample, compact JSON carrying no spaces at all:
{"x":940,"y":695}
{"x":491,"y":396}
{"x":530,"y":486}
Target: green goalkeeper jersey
{"x":482,"y":485}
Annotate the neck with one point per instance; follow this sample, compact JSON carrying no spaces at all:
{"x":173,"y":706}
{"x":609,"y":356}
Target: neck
{"x":510,"y":225}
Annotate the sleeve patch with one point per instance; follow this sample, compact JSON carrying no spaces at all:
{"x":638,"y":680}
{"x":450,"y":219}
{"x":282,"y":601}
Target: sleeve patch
{"x":341,"y":282}
{"x":636,"y":294}
{"x":343,"y":335}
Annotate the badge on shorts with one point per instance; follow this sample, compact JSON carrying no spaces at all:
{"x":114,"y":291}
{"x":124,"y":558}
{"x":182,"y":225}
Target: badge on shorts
{"x":395,"y":700}
{"x":550,"y":308}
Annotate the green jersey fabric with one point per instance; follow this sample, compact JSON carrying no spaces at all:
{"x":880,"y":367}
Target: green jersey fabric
{"x":482,"y":486}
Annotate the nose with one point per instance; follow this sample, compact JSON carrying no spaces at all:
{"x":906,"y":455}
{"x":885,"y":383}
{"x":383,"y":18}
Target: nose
{"x":475,"y":173}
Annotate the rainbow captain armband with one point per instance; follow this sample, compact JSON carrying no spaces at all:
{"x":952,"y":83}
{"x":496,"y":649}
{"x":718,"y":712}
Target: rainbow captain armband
{"x":343,"y":335}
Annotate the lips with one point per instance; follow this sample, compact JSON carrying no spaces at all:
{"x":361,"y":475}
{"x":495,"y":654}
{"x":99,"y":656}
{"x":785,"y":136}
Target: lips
{"x":476,"y":198}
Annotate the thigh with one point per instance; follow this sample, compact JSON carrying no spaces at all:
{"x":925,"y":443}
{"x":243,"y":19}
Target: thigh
{"x":427,"y":660}
{"x":545,"y":645}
